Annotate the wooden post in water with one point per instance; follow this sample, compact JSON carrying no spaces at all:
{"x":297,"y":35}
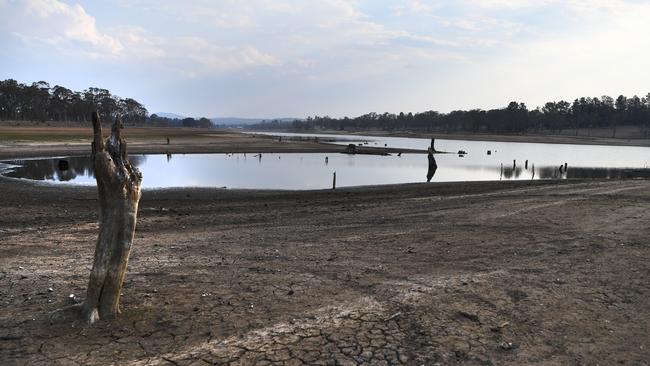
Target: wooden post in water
{"x":334,"y":181}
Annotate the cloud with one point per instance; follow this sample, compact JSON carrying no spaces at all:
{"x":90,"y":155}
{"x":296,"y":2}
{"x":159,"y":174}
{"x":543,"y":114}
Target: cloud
{"x":138,"y":43}
{"x":602,"y":53}
{"x":213,"y":58}
{"x":465,"y":24}
{"x":57,"y":24}
{"x":328,"y":40}
{"x":416,"y":7}
{"x":69,"y":29}
{"x":343,"y":54}
{"x":508,"y":3}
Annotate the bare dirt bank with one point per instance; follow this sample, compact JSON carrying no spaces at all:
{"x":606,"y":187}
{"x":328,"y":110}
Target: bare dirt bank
{"x":632,"y":140}
{"x":477,"y":273}
{"x":23,"y":142}
{"x":627,"y":137}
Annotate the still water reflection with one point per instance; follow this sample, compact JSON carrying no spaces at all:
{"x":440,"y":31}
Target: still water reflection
{"x":314,"y":171}
{"x":502,"y":152}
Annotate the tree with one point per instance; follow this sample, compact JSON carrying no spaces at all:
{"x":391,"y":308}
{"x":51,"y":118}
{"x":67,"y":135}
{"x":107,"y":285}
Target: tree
{"x":9,"y":98}
{"x":517,"y":113}
{"x":606,"y":110}
{"x":40,"y":92}
{"x":39,"y":102}
{"x":188,"y":122}
{"x":60,"y":102}
{"x":118,"y":186}
{"x":131,"y":111}
{"x":205,"y":123}
{"x":621,"y":109}
{"x":635,"y":110}
{"x":646,"y":117}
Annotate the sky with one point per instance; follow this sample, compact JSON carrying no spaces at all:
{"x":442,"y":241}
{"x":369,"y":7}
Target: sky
{"x":299,"y":58}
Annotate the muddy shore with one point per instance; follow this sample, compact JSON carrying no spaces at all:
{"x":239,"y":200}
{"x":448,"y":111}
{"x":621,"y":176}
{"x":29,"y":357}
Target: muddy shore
{"x":503,"y":273}
{"x":39,"y":141}
{"x":25,"y":142}
{"x":631,"y":137}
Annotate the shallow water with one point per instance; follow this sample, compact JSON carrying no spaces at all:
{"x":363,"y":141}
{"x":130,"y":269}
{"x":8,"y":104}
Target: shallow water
{"x":507,"y":160}
{"x":594,"y":156}
{"x":315,"y":171}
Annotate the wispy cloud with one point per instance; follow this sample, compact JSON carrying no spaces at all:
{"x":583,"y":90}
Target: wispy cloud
{"x":509,"y":3}
{"x":57,"y":24}
{"x":336,"y":56}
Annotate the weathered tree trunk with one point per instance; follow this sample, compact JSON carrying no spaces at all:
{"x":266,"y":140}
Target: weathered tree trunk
{"x":118,"y":186}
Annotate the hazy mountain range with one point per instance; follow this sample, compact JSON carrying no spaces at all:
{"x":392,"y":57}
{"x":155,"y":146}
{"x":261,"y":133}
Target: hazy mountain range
{"x":229,"y":121}
{"x":169,"y":115}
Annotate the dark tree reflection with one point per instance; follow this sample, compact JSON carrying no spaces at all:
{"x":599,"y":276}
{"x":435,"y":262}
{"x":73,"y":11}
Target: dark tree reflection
{"x":48,"y":169}
{"x":432,"y":164}
{"x":553,"y":172}
{"x":510,"y":172}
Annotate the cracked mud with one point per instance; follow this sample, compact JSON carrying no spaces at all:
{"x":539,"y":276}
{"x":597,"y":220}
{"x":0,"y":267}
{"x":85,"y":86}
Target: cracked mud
{"x":476,"y":273}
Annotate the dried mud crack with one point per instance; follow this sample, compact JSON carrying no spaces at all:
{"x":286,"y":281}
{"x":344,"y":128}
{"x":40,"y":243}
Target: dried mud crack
{"x":474,"y":273}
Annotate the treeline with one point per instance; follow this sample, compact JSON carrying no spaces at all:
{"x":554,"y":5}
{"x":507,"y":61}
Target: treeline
{"x":583,"y":113}
{"x":40,"y":102}
{"x":159,"y":121}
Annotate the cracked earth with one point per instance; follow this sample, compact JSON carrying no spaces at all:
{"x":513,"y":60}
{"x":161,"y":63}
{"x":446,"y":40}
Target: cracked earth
{"x":473,"y":273}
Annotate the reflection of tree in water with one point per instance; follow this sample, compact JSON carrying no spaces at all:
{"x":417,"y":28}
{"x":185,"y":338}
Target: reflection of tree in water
{"x":48,"y":169}
{"x":593,"y":173}
{"x":552,"y":172}
{"x":433,"y":166}
{"x":509,"y":172}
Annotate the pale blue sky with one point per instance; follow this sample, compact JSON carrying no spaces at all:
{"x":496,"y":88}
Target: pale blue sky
{"x":294,"y":58}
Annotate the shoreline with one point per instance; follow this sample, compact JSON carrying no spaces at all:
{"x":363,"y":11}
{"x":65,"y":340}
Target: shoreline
{"x":19,"y":142}
{"x":49,"y":151}
{"x":491,"y":272}
{"x":192,"y":142}
{"x":527,"y":138}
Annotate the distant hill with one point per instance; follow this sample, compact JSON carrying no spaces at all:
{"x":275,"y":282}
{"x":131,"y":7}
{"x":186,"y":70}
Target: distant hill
{"x":169,"y":115}
{"x":237,"y":121}
{"x":228,"y":121}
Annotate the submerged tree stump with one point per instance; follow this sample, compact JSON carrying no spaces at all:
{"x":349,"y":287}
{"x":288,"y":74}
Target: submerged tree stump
{"x":118,"y":186}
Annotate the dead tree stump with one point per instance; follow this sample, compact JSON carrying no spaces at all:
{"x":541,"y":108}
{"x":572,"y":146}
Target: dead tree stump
{"x":118,"y":186}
